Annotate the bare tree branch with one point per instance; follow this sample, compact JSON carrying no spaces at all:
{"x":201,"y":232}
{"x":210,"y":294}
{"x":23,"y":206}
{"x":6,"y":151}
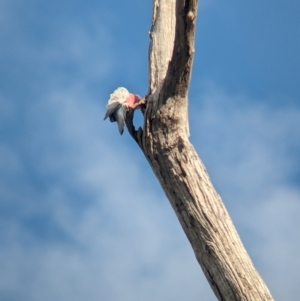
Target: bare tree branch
{"x":182,"y":175}
{"x":179,"y":71}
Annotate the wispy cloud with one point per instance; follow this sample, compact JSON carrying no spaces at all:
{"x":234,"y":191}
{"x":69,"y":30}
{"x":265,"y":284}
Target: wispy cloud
{"x":81,"y":214}
{"x":88,"y":225}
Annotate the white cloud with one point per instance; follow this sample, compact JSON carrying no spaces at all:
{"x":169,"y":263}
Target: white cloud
{"x":81,"y":217}
{"x":117,"y":237}
{"x":120,"y":238}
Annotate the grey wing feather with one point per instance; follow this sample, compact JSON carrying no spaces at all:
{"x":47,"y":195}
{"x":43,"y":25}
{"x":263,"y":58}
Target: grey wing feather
{"x":120,"y":116}
{"x":111,"y":108}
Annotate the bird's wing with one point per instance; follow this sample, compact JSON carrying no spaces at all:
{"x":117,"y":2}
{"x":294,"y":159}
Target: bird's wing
{"x":111,"y":108}
{"x":120,"y":116}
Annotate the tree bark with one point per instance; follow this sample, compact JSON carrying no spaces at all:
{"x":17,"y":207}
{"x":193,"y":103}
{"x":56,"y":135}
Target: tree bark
{"x":164,"y":142}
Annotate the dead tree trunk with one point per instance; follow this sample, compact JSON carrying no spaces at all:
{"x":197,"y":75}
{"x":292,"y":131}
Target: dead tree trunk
{"x":182,"y":175}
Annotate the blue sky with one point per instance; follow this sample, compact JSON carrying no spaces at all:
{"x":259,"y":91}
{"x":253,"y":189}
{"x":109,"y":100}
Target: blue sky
{"x":82,"y":217}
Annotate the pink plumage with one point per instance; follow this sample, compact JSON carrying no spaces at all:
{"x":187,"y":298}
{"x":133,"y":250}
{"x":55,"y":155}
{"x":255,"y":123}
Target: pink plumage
{"x":119,"y":102}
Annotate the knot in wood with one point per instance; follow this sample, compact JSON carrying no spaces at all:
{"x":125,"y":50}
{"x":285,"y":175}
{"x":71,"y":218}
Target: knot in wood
{"x":191,"y":15}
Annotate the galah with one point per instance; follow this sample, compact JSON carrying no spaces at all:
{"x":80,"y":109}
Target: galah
{"x":118,"y":104}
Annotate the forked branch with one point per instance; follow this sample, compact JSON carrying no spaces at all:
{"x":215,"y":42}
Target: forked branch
{"x":165,"y":144}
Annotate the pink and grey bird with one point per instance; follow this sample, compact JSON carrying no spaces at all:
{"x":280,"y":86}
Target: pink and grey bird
{"x":118,"y":104}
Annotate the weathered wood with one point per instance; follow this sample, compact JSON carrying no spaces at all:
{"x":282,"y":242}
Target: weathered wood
{"x":182,"y":175}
